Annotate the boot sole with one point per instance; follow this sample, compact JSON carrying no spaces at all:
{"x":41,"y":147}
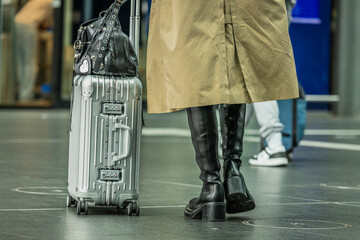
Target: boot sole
{"x":236,"y":200}
{"x":209,"y":212}
{"x":238,"y":203}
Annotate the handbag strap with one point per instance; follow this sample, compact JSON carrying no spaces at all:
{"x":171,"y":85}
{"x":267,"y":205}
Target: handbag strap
{"x":110,"y":20}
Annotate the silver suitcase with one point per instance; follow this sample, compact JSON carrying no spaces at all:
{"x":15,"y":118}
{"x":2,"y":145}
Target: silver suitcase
{"x":104,"y":147}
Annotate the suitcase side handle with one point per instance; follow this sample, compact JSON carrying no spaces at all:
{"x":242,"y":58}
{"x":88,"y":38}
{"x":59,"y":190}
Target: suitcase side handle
{"x":126,"y":154}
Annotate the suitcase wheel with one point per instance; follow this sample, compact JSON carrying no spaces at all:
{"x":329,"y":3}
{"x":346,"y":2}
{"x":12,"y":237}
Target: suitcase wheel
{"x":133,"y":209}
{"x":70,"y":201}
{"x":82,"y":207}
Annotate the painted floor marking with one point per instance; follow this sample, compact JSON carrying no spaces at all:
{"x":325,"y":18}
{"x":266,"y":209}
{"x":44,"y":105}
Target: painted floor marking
{"x":298,"y":198}
{"x":174,"y":183}
{"x":33,"y":141}
{"x":55,"y":191}
{"x":305,"y":143}
{"x":36,"y":115}
{"x":333,"y":132}
{"x":316,"y":201}
{"x":296,"y":223}
{"x":340,"y":187}
{"x":182,"y":132}
{"x":346,"y":204}
{"x":31,"y":209}
{"x":317,"y":144}
{"x":156,"y":207}
{"x":62,"y":209}
{"x":19,"y":235}
{"x":164,"y":132}
{"x":175,"y":132}
{"x":330,"y":145}
{"x":295,"y":204}
{"x":318,"y":132}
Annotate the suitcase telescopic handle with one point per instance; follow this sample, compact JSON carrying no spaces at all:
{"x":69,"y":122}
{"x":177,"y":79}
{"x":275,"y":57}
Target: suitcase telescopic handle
{"x":135,"y":24}
{"x":126,"y":154}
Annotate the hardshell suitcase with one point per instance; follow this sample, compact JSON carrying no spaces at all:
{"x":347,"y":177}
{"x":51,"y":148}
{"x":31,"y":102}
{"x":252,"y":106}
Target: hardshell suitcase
{"x":104,"y":147}
{"x":105,"y":143}
{"x":294,"y":123}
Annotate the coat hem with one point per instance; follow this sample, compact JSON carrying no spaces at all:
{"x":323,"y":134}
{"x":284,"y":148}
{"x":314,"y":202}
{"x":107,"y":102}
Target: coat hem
{"x":155,"y":110}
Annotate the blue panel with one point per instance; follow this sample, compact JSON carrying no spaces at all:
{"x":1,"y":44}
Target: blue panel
{"x":310,"y":35}
{"x":307,"y":11}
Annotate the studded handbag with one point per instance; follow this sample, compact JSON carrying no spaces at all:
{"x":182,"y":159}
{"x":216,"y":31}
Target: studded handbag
{"x":102,"y":48}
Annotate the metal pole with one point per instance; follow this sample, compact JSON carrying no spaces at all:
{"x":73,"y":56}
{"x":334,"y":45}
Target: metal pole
{"x":134,"y":33}
{"x":56,"y":76}
{"x":1,"y":30}
{"x":347,"y":59}
{"x":137,"y":27}
{"x":132,"y":22}
{"x":88,"y":9}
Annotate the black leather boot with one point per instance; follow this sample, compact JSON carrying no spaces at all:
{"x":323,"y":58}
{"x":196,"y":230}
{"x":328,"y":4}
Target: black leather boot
{"x":210,"y":205}
{"x":238,"y":197}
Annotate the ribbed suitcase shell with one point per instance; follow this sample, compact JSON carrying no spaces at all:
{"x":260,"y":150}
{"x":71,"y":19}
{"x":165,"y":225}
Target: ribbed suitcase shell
{"x":104,"y":143}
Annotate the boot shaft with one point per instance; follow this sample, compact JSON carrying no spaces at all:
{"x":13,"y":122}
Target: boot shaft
{"x":232,"y":120}
{"x":203,"y":127}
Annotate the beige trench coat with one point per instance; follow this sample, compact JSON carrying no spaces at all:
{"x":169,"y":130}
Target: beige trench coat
{"x":208,"y":52}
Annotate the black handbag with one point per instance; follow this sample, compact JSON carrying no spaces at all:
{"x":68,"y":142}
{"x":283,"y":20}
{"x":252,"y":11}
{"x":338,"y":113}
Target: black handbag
{"x":101,"y":48}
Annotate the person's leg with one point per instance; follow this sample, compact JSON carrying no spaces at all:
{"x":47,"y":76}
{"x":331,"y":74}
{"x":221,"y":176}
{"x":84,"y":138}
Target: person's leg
{"x":267,"y":114}
{"x":232,"y":119}
{"x":19,"y":53}
{"x":210,"y":205}
{"x":27,"y":42}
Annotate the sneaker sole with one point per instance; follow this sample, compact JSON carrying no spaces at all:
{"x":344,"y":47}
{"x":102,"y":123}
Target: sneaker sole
{"x":274,"y":162}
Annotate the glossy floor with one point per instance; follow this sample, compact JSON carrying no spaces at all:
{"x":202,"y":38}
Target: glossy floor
{"x":316,"y":197}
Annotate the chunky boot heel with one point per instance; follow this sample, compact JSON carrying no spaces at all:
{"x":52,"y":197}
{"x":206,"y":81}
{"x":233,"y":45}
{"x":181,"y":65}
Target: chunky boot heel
{"x":214,"y":212}
{"x":234,"y":188}
{"x":238,"y":198}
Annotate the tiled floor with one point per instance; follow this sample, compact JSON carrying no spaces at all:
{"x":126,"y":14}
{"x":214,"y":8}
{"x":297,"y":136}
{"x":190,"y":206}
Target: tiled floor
{"x":316,"y":197}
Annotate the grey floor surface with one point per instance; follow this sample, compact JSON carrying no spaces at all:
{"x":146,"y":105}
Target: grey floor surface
{"x":316,"y":197}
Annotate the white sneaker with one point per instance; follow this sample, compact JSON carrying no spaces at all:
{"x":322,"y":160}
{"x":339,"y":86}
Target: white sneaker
{"x":270,"y":158}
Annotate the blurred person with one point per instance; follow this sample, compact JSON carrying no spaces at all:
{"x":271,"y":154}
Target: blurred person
{"x":229,"y":52}
{"x":28,"y":21}
{"x":267,"y":114}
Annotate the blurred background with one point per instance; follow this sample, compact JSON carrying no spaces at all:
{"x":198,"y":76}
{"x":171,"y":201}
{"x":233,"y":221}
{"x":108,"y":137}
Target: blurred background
{"x":36,"y":62}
